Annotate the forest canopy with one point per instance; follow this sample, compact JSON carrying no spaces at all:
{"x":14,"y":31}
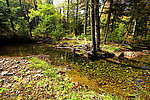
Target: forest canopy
{"x":121,"y":21}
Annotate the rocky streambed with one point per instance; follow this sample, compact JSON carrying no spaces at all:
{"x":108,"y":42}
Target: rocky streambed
{"x":13,"y":71}
{"x":23,"y":78}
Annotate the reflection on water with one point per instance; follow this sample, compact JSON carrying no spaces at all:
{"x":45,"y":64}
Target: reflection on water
{"x":114,"y":78}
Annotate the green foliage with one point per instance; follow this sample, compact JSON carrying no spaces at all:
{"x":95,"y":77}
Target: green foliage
{"x":17,"y":14}
{"x":3,"y":18}
{"x":39,"y":64}
{"x":2,"y":89}
{"x":118,"y":33}
{"x":48,"y":21}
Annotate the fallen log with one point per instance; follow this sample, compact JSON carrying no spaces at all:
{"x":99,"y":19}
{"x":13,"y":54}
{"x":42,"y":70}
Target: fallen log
{"x":66,"y":48}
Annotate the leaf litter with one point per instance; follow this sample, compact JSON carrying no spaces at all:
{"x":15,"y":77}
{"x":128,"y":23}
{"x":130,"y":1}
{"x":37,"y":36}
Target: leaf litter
{"x":31,"y":78}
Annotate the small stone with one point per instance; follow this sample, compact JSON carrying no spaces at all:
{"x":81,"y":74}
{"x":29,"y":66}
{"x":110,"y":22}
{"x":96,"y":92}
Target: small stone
{"x":32,"y":71}
{"x":10,"y":74}
{"x":1,"y":80}
{"x":1,"y":69}
{"x":15,"y":66}
{"x":12,"y":63}
{"x":39,"y":71}
{"x":2,"y":61}
{"x":28,"y":62}
{"x":25,"y":61}
{"x":7,"y":59}
{"x":18,"y":62}
{"x":38,"y":75}
{"x":7,"y":62}
{"x":4,"y":73}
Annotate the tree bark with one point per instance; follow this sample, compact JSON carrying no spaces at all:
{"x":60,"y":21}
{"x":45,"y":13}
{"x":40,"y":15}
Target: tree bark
{"x":146,"y":29}
{"x":93,"y":29}
{"x":113,"y":22}
{"x":9,"y":11}
{"x":108,"y":21}
{"x":21,"y":12}
{"x":35,"y":6}
{"x":134,"y":28}
{"x":97,"y":24}
{"x":27,"y":12}
{"x":130,"y":22}
{"x":72,"y":16}
{"x":76,"y":31}
{"x":89,"y":17}
{"x":85,"y":21}
{"x":68,"y":16}
{"x":102,"y":8}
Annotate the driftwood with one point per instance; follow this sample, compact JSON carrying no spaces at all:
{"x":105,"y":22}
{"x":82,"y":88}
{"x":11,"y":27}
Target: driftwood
{"x":66,"y":48}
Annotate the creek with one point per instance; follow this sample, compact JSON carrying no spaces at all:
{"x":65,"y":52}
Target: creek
{"x":121,"y":80}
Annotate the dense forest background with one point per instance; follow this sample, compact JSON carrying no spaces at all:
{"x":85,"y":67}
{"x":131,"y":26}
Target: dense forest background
{"x":121,"y":21}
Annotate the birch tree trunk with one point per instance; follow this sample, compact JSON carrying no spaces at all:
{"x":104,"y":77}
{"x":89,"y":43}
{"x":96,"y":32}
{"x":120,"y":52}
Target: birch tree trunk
{"x":102,"y":8}
{"x":89,"y":23}
{"x":134,"y":28}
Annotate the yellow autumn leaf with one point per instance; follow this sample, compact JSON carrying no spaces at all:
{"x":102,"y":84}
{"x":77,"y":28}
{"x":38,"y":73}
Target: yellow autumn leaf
{"x":20,"y":98}
{"x":20,"y":80}
{"x":119,"y":81}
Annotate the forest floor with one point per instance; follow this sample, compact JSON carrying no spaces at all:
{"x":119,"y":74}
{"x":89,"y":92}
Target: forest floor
{"x":33,"y":77}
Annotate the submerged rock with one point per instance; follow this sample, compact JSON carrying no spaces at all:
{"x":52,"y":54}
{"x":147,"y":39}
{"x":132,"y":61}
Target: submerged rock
{"x":2,"y":60}
{"x":1,"y":69}
{"x":4,"y":73}
{"x":16,"y":66}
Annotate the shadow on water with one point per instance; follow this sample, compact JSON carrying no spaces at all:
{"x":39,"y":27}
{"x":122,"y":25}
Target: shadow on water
{"x":102,"y":73}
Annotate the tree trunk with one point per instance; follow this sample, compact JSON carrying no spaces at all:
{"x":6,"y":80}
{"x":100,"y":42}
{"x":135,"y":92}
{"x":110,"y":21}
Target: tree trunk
{"x":76,"y":31}
{"x":130,"y":22}
{"x":9,"y":11}
{"x":89,"y":17}
{"x":27,"y":17}
{"x":64,"y":21}
{"x":20,"y":8}
{"x":113,"y":21}
{"x":35,"y":6}
{"x":146,"y":29}
{"x":68,"y":16}
{"x":85,"y":21}
{"x":21,"y":12}
{"x":108,"y":21}
{"x":134,"y":28}
{"x":102,"y":8}
{"x":93,"y":29}
{"x":72,"y":16}
{"x":97,"y":24}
